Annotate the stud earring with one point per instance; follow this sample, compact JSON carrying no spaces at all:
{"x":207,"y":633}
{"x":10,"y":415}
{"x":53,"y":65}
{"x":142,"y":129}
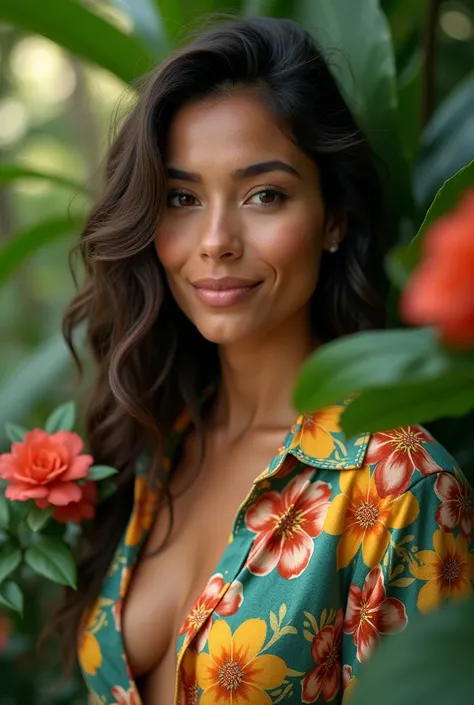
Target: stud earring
{"x":334,"y":247}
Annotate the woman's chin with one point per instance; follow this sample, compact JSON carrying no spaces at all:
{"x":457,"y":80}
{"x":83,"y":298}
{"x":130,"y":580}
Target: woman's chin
{"x":226,"y":332}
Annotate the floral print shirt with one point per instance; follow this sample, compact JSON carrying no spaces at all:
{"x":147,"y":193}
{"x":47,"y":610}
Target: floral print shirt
{"x":338,"y":544}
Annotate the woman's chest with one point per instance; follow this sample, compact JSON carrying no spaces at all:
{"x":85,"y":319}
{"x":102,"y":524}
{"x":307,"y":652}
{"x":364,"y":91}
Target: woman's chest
{"x":180,"y":557}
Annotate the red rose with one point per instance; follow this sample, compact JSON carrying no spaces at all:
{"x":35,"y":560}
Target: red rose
{"x":78,"y":511}
{"x":45,"y":467}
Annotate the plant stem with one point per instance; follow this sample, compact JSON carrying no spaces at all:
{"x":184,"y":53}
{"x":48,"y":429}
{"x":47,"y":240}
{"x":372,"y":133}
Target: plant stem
{"x":429,"y":51}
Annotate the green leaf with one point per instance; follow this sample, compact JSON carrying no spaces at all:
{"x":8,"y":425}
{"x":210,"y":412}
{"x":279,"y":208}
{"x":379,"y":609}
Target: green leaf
{"x":62,"y":419}
{"x":409,"y":106}
{"x":359,"y":50}
{"x":37,"y":518}
{"x":429,"y":662}
{"x":100,"y":472}
{"x":403,"y":404}
{"x":178,"y":16}
{"x":34,"y":377}
{"x":11,"y":596}
{"x":22,"y":245}
{"x":15,"y":172}
{"x":147,"y":24}
{"x":403,"y":260}
{"x":15,"y":433}
{"x":106,"y":489}
{"x":367,"y":360}
{"x":446,"y":142}
{"x":4,"y":509}
{"x":50,"y":558}
{"x":18,"y":512}
{"x":79,"y":30}
{"x":10,"y":559}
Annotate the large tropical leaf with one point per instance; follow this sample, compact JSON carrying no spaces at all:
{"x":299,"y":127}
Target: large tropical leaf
{"x":430,"y":662}
{"x":147,"y":24}
{"x":447,"y":143}
{"x":32,"y":380}
{"x":16,"y":172}
{"x":22,"y":245}
{"x":400,"y":376}
{"x":355,"y":35}
{"x":77,"y":29}
{"x":177,"y":17}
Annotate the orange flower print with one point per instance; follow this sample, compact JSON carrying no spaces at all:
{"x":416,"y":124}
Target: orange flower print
{"x":233,"y":673}
{"x":326,"y":653}
{"x":143,"y":512}
{"x":369,"y":614}
{"x":456,"y":508}
{"x":199,"y":619}
{"x":188,"y":689}
{"x":448,"y":570}
{"x":125,"y":697}
{"x":286,"y":525}
{"x":397,"y":454}
{"x":315,"y":435}
{"x":362,"y":518}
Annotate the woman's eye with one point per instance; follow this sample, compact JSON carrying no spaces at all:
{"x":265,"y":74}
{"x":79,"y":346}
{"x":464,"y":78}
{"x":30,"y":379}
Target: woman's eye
{"x":269,"y":197}
{"x":180,"y":199}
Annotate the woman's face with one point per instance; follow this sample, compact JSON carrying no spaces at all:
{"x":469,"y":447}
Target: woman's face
{"x":242,"y":234}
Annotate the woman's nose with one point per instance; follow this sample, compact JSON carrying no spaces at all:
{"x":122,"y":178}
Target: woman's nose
{"x":221,"y":237}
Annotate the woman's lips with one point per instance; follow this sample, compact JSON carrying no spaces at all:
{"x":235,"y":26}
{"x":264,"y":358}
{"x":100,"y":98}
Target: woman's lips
{"x":224,"y":292}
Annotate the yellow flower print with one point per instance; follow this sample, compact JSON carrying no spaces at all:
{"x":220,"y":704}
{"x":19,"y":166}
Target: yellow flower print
{"x":233,"y":673}
{"x":448,"y":570}
{"x":90,"y":654}
{"x":315,"y":435}
{"x":143,"y":512}
{"x":362,"y":518}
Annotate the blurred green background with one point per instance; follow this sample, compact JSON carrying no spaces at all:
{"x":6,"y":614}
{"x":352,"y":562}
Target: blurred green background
{"x":56,"y":112}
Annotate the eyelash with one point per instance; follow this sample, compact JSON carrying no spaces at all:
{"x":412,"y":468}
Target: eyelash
{"x":281,"y":197}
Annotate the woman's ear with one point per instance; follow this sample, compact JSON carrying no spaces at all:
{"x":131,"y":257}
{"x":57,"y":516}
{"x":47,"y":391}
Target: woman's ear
{"x":334,"y":231}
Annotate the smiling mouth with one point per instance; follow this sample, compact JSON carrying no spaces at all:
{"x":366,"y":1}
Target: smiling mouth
{"x":218,"y":295}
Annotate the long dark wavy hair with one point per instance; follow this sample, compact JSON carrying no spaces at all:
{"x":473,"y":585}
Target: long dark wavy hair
{"x":150,"y":361}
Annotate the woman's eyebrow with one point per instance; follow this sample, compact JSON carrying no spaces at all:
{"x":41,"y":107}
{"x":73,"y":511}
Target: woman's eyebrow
{"x":239,"y":174}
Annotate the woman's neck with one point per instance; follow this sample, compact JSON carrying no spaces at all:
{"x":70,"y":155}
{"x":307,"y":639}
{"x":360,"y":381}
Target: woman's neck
{"x":258,"y":376}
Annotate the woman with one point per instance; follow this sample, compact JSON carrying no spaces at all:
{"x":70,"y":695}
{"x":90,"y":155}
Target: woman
{"x":247,"y":556}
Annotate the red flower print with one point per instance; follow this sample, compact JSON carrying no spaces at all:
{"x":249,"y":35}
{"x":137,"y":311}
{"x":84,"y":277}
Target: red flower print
{"x":369,"y":613}
{"x":456,"y":504}
{"x":397,"y":454}
{"x":199,"y":619}
{"x":286,"y":525}
{"x":125,"y":697}
{"x":326,"y":652}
